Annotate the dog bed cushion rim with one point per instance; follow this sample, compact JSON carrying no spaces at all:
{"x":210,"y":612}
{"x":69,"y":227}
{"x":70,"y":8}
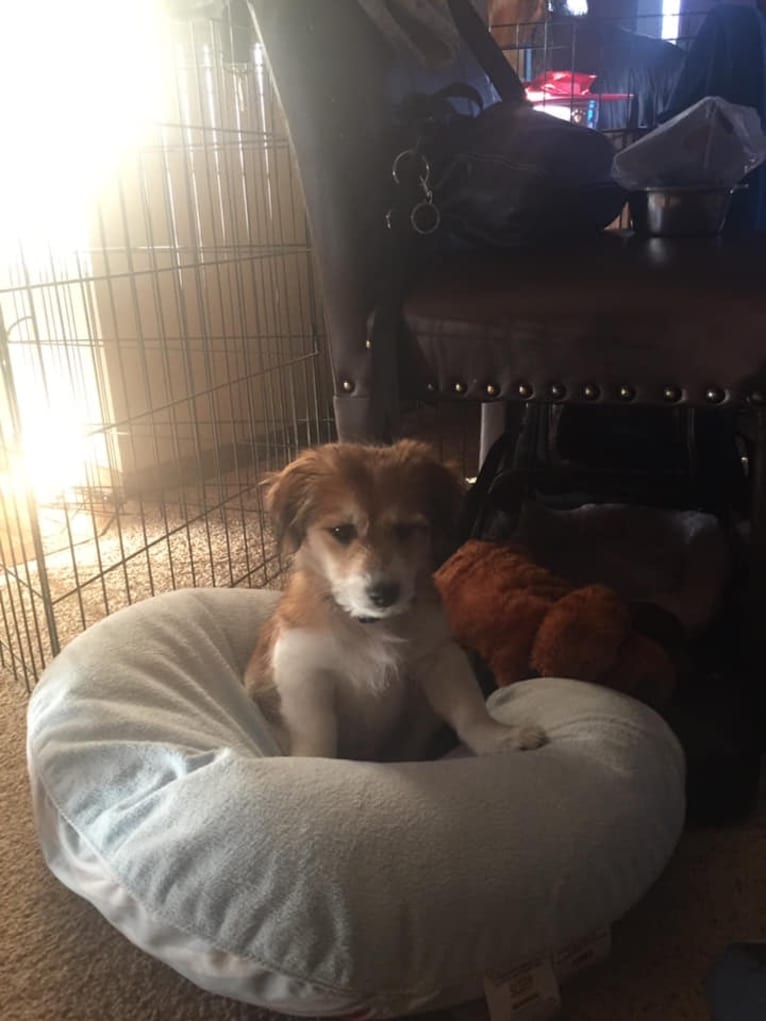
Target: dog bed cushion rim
{"x":214,"y":963}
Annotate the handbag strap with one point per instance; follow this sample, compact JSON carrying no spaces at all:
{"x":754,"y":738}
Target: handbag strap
{"x":477,"y":499}
{"x":482,"y":44}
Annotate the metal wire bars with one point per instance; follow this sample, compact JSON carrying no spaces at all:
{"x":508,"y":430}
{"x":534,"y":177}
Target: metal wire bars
{"x":540,"y":44}
{"x":155,"y":367}
{"x":546,"y":45}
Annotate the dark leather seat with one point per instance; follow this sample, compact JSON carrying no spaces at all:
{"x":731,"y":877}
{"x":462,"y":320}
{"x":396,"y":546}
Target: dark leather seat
{"x":616,"y":320}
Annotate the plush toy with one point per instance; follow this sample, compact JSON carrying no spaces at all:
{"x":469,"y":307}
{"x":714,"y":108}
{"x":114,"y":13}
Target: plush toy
{"x":524,"y":622}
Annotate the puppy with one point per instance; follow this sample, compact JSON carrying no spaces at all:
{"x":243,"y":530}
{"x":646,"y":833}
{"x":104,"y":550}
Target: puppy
{"x":358,"y":661}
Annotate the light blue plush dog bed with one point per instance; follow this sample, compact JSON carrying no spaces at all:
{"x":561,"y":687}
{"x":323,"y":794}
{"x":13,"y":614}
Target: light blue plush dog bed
{"x":317,"y":886}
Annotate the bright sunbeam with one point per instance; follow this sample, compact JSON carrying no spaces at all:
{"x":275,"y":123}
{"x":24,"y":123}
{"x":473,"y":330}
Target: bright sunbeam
{"x":80,"y":81}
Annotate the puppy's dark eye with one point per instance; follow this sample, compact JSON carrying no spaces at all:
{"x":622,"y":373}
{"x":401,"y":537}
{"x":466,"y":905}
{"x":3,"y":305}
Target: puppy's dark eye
{"x":343,"y":534}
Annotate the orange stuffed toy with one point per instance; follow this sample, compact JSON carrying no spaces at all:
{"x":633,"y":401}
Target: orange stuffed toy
{"x":524,"y":621}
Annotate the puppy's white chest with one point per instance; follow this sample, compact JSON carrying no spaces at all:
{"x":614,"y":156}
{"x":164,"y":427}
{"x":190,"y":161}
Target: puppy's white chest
{"x":371,"y":690}
{"x":368,"y":678}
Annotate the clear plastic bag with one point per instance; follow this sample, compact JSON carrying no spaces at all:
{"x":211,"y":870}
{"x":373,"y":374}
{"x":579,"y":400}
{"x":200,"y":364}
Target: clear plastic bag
{"x":712,"y":144}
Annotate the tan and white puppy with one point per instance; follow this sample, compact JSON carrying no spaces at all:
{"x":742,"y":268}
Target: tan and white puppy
{"x":358,"y":661}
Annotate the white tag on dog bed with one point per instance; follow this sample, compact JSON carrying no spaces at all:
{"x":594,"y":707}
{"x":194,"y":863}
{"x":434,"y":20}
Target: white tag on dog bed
{"x":529,"y":992}
{"x":582,"y":954}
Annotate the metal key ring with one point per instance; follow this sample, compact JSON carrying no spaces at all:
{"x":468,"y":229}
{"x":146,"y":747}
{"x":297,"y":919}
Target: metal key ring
{"x":416,"y":216}
{"x":410,"y":154}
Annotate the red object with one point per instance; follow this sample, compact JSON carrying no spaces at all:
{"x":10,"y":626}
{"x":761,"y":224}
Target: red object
{"x":571,"y":85}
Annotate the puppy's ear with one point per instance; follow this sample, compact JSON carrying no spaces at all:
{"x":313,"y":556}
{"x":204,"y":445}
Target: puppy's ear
{"x":289,"y":499}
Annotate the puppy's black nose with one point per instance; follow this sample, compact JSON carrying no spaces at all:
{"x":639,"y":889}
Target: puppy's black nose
{"x":383,"y":593}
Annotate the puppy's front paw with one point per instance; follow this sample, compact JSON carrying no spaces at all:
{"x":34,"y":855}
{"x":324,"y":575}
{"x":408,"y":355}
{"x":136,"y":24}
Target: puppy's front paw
{"x":493,"y":738}
{"x":526,"y":736}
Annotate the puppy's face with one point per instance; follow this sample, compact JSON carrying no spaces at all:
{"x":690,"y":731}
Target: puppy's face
{"x":369,"y":521}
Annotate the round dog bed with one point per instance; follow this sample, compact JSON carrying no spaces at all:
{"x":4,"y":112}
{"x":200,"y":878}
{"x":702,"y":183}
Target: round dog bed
{"x":318,"y":886}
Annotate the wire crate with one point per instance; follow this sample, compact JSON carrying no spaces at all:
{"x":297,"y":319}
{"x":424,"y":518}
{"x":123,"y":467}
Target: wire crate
{"x":162,"y":349}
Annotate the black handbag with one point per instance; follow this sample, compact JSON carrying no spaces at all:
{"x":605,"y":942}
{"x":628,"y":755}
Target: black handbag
{"x":508,"y":175}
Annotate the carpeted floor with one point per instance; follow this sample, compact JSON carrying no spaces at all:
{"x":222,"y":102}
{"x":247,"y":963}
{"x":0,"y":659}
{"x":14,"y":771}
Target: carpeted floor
{"x":59,"y":961}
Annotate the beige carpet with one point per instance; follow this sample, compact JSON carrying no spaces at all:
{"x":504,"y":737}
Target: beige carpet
{"x":59,"y":961}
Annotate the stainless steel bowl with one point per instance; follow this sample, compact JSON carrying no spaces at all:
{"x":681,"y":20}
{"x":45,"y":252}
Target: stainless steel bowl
{"x":680,"y":212}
